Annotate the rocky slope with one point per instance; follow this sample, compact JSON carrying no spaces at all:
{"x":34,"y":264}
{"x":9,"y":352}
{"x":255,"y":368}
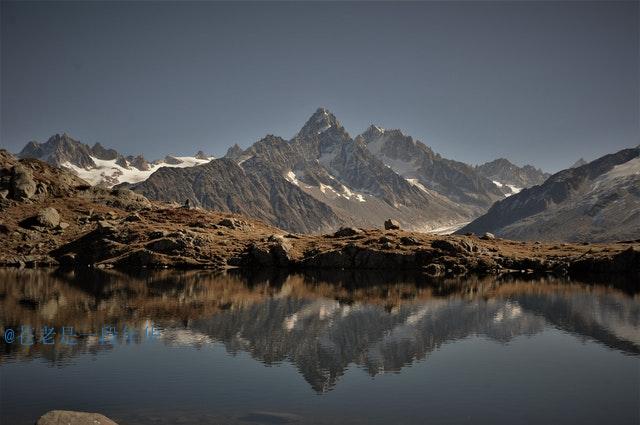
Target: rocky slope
{"x":50,"y":216}
{"x":598,"y":201}
{"x":428,"y":171}
{"x":99,"y":165}
{"x":511,"y":178}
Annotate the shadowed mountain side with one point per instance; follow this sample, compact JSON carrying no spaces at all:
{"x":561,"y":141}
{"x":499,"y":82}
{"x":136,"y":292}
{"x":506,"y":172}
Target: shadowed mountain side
{"x":223,"y":185}
{"x":598,"y":201}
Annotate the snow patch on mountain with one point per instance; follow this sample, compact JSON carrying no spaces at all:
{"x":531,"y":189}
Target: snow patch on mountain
{"x":346,"y":193}
{"x":419,"y":185}
{"x":292,"y":178}
{"x":109,"y":173}
{"x":512,"y":188}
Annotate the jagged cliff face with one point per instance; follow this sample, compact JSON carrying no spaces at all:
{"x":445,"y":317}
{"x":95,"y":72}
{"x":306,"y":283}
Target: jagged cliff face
{"x":428,"y":171}
{"x":598,"y":201}
{"x":319,"y":180}
{"x":62,"y":149}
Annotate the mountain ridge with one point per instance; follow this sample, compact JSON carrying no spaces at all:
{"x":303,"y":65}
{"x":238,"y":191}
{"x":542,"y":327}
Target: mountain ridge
{"x":321,"y":178}
{"x":597,"y":201}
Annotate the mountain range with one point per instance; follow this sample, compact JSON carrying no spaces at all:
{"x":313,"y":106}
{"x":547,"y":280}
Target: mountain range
{"x":597,"y":201}
{"x":319,"y":180}
{"x":323,"y":178}
{"x":99,"y":165}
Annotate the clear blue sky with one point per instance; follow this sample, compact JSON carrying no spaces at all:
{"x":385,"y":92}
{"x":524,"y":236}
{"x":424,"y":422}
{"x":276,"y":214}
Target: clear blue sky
{"x":537,"y":82}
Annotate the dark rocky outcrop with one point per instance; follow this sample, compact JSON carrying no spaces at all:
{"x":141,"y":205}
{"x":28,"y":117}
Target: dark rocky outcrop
{"x":22,"y":185}
{"x":391,"y":225}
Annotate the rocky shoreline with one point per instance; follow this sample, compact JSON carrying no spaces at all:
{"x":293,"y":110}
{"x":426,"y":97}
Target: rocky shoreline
{"x":50,"y":217}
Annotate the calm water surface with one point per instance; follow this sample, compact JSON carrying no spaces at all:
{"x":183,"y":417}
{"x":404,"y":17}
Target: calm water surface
{"x":202,"y":348}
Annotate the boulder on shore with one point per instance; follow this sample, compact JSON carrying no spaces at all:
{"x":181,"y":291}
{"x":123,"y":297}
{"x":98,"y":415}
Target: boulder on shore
{"x":391,"y":224}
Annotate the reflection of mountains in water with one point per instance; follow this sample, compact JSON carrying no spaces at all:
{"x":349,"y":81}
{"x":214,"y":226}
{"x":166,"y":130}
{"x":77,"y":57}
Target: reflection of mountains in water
{"x":323,"y":337}
{"x":321,"y":325}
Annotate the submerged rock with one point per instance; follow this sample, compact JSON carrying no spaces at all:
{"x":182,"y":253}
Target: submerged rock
{"x":67,"y":417}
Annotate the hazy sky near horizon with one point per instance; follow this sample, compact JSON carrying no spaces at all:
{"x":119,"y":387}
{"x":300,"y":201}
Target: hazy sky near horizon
{"x":537,"y":82}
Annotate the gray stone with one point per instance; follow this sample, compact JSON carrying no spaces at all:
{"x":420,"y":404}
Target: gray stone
{"x":488,"y":236}
{"x":22,"y":185}
{"x":67,"y":417}
{"x":48,"y":217}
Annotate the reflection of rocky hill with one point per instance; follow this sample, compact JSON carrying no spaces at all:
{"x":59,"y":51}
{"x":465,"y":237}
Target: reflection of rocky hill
{"x":322,"y":324}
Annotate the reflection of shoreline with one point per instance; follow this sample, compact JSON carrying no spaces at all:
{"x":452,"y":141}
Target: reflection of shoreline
{"x":321,"y":325}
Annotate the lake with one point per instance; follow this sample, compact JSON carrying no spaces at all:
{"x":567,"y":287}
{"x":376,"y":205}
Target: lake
{"x":354,"y":348}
